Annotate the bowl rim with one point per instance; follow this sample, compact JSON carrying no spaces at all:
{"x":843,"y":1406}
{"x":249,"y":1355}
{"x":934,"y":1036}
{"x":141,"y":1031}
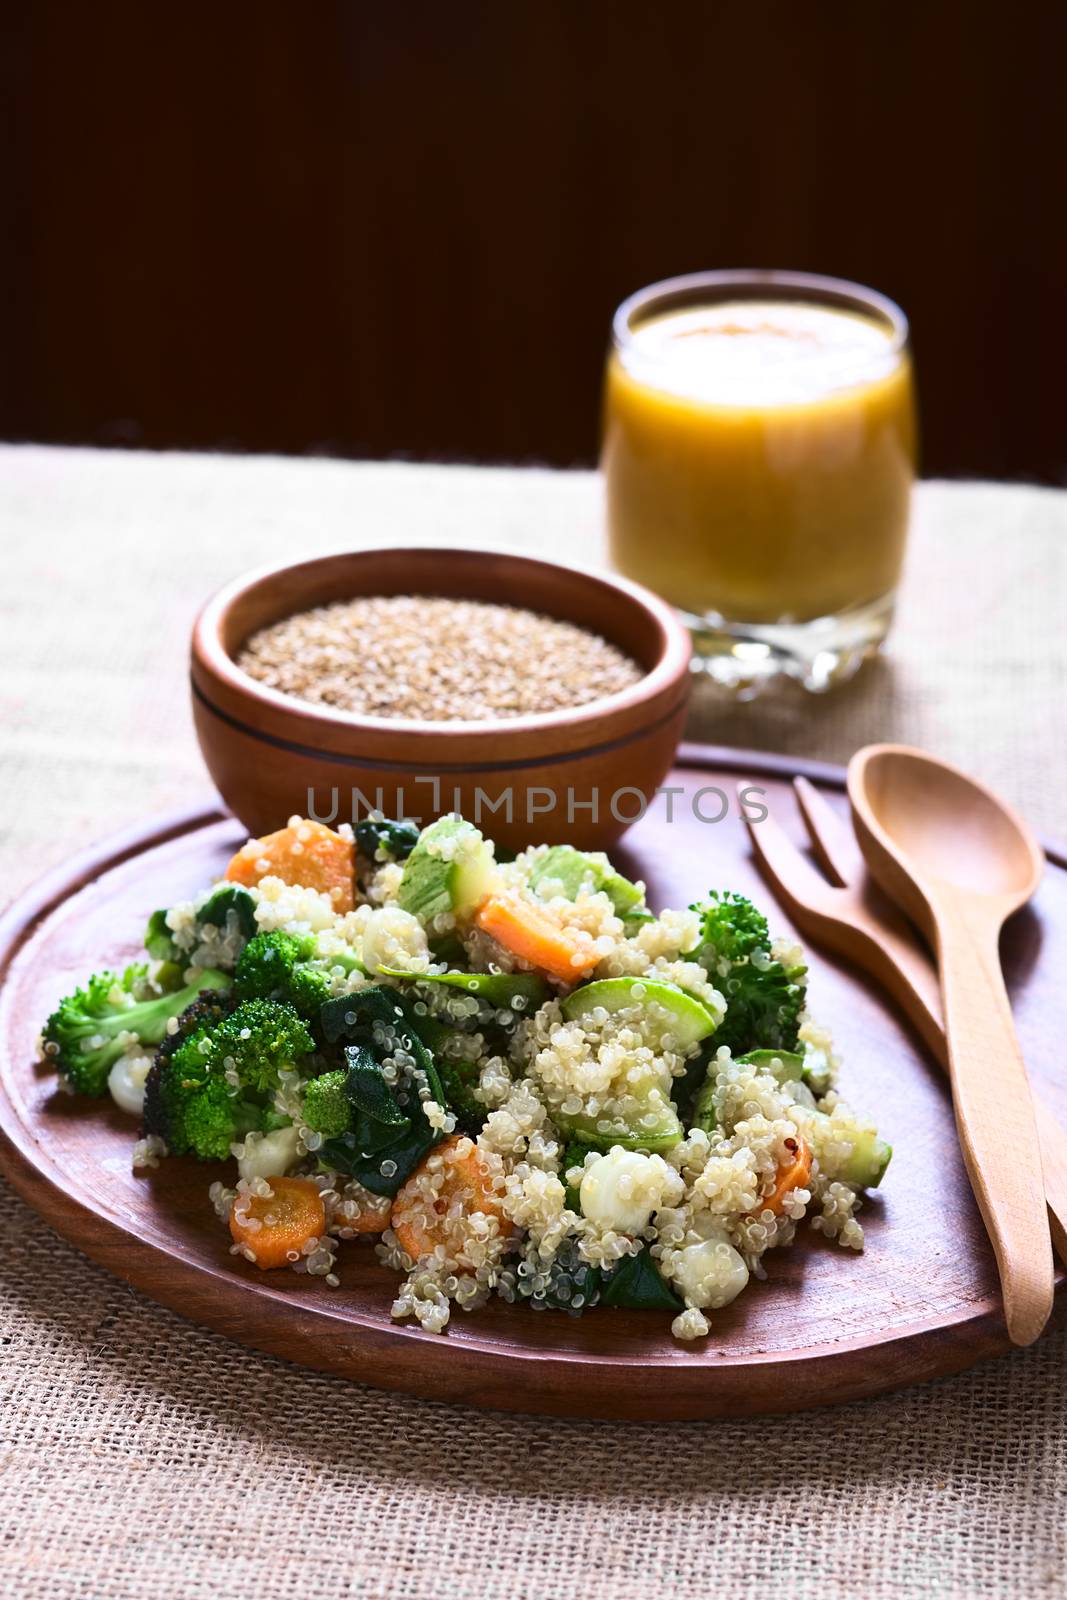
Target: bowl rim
{"x":671,"y":666}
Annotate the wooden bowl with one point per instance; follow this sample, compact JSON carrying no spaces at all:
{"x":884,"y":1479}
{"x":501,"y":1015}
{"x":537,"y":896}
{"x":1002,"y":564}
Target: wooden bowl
{"x":581,"y":774}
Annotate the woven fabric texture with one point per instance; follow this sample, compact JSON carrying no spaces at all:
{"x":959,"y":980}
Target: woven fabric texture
{"x":141,"y":1455}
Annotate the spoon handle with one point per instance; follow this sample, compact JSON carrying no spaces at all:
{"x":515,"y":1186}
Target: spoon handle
{"x":994,"y":1110}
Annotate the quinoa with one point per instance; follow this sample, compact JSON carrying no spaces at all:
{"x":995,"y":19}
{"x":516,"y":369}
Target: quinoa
{"x":435,"y":659}
{"x":556,"y":1141}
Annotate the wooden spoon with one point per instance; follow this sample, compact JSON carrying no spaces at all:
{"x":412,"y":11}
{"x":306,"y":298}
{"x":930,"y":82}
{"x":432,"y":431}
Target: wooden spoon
{"x":959,"y":862}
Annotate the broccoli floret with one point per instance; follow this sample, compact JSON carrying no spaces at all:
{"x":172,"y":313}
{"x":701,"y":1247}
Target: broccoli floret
{"x":259,"y":1040}
{"x":83,"y":1036}
{"x":286,"y":966}
{"x":214,"y":1080}
{"x":764,"y":998}
{"x":326,"y":1107}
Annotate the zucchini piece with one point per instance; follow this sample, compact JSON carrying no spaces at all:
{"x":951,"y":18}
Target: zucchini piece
{"x":663,"y":1134}
{"x":498,"y":989}
{"x":686,"y":1019}
{"x":575,"y":869}
{"x":450,"y":869}
{"x":784,"y":1066}
{"x":818,"y":1073}
{"x":809,"y":1067}
{"x":655,"y":1124}
{"x":866,"y":1166}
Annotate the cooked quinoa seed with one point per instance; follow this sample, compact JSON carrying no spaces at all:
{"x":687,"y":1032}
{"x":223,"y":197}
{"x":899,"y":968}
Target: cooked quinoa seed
{"x":435,"y":659}
{"x":528,"y":1138}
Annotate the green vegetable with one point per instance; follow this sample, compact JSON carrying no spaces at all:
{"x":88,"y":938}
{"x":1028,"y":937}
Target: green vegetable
{"x":784,"y":1066}
{"x":574,"y":1154}
{"x":818,"y":1073}
{"x":160,"y":943}
{"x":158,"y":939}
{"x":388,"y":1126}
{"x":764,"y":999}
{"x":394,"y":839}
{"x":286,"y":966}
{"x":459,"y":1079}
{"x":686,"y":1020}
{"x":871,"y":1155}
{"x":82,"y":1035}
{"x":326,"y":1107}
{"x":448,"y":948}
{"x":450,"y":869}
{"x":637,"y":1284}
{"x":569,"y":871}
{"x":227,"y":898}
{"x":568,"y":1283}
{"x":214,"y":1080}
{"x":661,"y":1134}
{"x":654,"y":1124}
{"x":497,"y":989}
{"x":684,"y":1090}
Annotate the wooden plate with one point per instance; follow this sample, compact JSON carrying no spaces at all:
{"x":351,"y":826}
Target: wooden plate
{"x":827,"y":1326}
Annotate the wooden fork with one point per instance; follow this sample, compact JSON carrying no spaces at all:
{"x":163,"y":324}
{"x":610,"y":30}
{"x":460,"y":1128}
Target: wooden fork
{"x":850,"y":916}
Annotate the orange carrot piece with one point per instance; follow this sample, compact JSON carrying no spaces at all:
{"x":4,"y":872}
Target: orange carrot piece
{"x":304,"y":853}
{"x":273,"y":1229}
{"x":370,"y":1218}
{"x":565,"y":953}
{"x":792,"y":1174}
{"x":420,"y":1210}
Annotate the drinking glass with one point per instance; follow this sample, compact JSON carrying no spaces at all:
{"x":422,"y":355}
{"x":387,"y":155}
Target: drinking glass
{"x":759,"y":452}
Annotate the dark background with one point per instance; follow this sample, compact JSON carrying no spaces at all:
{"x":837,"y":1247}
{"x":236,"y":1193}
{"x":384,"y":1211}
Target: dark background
{"x":401,"y":228}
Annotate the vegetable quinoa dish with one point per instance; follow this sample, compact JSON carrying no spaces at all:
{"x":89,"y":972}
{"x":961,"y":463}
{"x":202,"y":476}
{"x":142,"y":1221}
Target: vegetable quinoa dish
{"x":513,"y":1077}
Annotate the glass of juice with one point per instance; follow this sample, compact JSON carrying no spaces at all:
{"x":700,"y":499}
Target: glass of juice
{"x":759,"y":451}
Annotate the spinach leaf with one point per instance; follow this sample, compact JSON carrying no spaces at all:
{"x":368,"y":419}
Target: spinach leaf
{"x":460,"y":1078}
{"x":636,"y":1284}
{"x":684,"y":1090}
{"x":396,"y":839}
{"x":390,"y":1126}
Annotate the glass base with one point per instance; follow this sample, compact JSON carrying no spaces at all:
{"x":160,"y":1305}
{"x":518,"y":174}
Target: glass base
{"x":748,"y":657}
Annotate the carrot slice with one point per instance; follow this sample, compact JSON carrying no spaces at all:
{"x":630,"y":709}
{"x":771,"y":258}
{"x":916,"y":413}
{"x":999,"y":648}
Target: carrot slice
{"x":451,"y":1183}
{"x":565,"y":953}
{"x":304,"y":853}
{"x":373,"y":1217}
{"x":272,"y":1229}
{"x":792,"y":1174}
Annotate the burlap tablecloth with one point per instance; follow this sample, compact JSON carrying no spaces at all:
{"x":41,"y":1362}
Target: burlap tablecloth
{"x":143,"y":1456}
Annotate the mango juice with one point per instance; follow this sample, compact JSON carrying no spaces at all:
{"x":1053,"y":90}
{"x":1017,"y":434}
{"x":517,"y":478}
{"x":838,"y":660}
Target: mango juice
{"x":759,"y":456}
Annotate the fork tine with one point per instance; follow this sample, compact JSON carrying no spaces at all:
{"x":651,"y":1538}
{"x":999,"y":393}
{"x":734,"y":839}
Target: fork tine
{"x":787,"y":868}
{"x":834,"y":845}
